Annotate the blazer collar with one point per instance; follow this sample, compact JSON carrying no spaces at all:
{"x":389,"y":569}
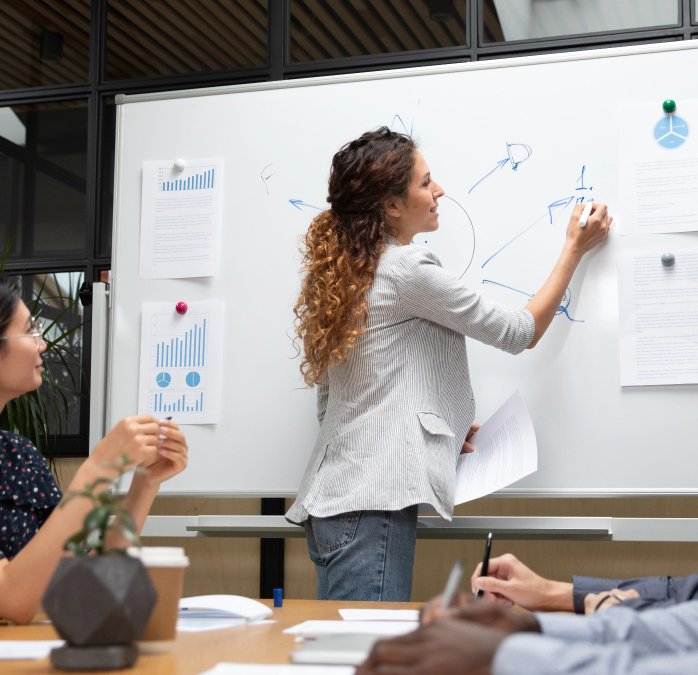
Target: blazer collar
{"x":392,"y":241}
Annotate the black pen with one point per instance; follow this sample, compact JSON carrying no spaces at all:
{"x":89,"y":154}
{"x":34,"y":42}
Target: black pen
{"x":485,"y":562}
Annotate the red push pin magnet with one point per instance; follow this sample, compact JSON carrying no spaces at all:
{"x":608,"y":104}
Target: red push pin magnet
{"x":181,"y":308}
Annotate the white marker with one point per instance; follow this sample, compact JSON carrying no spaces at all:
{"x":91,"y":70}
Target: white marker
{"x":585,"y":214}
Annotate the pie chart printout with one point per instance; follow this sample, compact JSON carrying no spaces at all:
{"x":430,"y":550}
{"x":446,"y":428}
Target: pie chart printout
{"x":193,"y":379}
{"x":163,"y":379}
{"x":671,"y":132}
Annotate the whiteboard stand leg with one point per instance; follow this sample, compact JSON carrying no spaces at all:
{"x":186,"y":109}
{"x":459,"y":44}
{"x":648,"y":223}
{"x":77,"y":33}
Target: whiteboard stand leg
{"x":98,"y":377}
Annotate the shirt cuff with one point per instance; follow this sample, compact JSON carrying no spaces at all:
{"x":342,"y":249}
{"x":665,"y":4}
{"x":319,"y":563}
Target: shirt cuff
{"x":582,"y":586}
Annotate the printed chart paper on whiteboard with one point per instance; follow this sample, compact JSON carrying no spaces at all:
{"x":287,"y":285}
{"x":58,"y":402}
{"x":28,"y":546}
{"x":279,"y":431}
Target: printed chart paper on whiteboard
{"x":659,"y":168}
{"x":505,"y":451}
{"x":181,"y":354}
{"x":180,"y":219}
{"x":658,"y":318}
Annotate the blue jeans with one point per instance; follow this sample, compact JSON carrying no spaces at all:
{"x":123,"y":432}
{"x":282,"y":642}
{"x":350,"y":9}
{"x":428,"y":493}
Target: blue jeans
{"x":364,"y":555}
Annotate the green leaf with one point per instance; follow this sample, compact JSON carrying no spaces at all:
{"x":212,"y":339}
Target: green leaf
{"x":97,"y":518}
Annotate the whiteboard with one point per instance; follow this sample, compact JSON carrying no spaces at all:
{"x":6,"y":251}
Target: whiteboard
{"x":594,"y":437}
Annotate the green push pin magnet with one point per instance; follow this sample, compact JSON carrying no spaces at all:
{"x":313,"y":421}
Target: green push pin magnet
{"x":669,"y":106}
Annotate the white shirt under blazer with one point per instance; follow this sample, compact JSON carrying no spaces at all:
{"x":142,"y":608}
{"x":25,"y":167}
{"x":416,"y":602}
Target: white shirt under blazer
{"x":394,"y":415}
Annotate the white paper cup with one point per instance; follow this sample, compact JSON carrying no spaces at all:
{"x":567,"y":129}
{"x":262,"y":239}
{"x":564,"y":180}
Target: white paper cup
{"x":166,"y":567}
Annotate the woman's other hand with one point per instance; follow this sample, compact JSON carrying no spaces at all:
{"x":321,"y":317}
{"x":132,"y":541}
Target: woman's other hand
{"x":171,"y":457}
{"x":583,"y":239}
{"x":468,"y":447}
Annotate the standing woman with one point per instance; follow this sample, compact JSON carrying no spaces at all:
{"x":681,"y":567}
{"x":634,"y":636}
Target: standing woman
{"x":383,"y":328}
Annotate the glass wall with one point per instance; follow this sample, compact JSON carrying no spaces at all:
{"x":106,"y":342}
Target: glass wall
{"x":43,"y":164}
{"x":510,"y":20}
{"x":339,"y":28}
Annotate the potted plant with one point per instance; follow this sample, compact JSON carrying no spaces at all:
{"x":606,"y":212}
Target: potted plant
{"x":100,"y":604}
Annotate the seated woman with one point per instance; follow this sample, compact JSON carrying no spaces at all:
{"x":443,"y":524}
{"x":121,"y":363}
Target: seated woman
{"x":32,"y":530}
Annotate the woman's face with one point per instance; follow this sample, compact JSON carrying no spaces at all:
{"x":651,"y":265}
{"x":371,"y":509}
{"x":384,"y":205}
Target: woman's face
{"x":20,"y":357}
{"x":418,"y":212}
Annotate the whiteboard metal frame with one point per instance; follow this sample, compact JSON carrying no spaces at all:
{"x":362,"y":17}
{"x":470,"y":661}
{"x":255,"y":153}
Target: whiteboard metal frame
{"x":586,"y":55}
{"x":122,"y":99}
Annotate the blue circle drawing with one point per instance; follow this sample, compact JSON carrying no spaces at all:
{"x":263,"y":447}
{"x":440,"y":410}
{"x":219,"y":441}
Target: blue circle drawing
{"x":163,"y":379}
{"x":671,"y":132}
{"x":193,"y":379}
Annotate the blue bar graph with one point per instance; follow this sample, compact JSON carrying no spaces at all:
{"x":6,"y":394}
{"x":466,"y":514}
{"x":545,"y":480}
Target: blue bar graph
{"x":187,"y":352}
{"x":199,"y":181}
{"x":178,"y":403}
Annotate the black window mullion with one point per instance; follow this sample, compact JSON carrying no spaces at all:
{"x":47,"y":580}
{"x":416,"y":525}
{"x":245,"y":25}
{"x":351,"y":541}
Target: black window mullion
{"x":278,"y":40}
{"x":686,"y":14}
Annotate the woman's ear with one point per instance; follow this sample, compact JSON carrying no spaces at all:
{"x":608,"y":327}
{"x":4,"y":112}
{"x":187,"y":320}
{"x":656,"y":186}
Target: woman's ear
{"x":392,"y":207}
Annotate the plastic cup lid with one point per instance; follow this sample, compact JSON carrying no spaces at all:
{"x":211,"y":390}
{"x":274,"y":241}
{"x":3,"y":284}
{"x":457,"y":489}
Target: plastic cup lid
{"x":159,"y":556}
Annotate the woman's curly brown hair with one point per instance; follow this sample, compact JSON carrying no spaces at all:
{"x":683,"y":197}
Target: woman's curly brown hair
{"x":343,"y":245}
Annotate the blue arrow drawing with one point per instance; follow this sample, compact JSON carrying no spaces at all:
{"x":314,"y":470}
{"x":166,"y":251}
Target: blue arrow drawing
{"x":299,"y":202}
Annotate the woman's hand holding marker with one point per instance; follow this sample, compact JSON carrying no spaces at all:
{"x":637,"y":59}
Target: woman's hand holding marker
{"x":588,"y":227}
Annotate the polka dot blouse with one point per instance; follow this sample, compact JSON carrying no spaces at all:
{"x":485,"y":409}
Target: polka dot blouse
{"x":28,"y":493}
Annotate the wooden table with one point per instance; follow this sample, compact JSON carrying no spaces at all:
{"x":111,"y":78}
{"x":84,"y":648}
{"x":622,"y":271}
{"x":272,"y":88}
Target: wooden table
{"x":194,"y":653}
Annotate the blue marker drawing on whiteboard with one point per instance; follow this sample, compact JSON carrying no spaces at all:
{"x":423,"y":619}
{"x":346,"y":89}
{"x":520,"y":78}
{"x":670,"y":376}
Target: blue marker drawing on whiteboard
{"x":299,"y":202}
{"x":562,"y":309}
{"x":404,"y":126}
{"x":553,"y":206}
{"x":500,"y":165}
{"x":509,"y":159}
{"x":515,"y":162}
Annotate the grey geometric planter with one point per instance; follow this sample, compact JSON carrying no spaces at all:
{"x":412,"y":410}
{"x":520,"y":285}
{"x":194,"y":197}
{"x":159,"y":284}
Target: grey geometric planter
{"x":100,"y":605}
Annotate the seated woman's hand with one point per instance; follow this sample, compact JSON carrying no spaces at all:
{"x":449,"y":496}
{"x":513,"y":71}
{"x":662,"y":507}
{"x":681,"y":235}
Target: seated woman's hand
{"x":136,"y":437}
{"x":171,"y":457}
{"x":593,"y":601}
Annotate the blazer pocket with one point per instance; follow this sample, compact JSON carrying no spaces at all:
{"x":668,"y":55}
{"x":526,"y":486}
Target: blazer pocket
{"x":434,"y":424}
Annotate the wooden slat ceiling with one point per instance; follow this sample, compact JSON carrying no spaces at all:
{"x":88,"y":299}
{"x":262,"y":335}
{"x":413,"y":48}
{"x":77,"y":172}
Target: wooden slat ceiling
{"x":21,"y":24}
{"x":160,"y":37}
{"x":330,"y":29}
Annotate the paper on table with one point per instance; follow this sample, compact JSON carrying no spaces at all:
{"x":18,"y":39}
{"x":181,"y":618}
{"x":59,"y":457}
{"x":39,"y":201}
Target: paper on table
{"x":505,"y":451}
{"x":658,"y":169}
{"x":198,"y":624}
{"x":311,"y":629}
{"x":23,"y":650}
{"x":180,"y":216}
{"x":276,"y":669}
{"x":181,"y":354}
{"x":658,"y":312}
{"x":379,"y":614}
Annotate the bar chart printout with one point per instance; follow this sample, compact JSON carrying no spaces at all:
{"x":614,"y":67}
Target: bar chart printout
{"x":180,"y":219}
{"x":181,"y":362}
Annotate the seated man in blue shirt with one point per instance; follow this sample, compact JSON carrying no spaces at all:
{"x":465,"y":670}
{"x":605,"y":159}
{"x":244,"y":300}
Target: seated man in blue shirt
{"x":510,"y":582}
{"x":483,"y":638}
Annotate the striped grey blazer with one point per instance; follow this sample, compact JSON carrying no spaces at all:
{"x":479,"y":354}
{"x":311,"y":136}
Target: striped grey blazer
{"x":394,"y":415}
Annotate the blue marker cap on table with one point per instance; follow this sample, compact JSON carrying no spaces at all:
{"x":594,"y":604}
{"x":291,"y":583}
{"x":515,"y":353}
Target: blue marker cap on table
{"x":278,"y":597}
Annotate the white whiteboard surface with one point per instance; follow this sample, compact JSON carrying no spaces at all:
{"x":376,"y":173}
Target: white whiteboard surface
{"x":594,"y":437}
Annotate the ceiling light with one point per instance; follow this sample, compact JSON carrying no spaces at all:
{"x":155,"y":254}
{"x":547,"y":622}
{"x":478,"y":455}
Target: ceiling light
{"x":441,"y":10}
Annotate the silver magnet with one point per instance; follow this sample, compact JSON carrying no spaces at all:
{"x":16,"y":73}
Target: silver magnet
{"x":668,"y":259}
